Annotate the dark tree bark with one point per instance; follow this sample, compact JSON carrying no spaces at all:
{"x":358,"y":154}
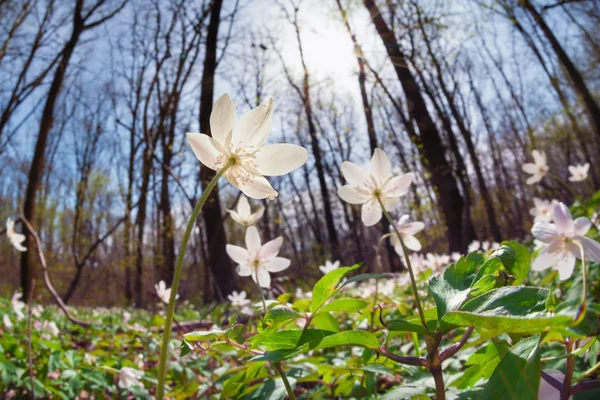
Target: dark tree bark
{"x":429,"y":141}
{"x":218,"y":261}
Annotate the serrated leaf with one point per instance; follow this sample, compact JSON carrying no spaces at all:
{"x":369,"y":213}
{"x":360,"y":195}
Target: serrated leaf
{"x":326,"y":286}
{"x":344,"y":305}
{"x":517,"y":376}
{"x":518,"y":264}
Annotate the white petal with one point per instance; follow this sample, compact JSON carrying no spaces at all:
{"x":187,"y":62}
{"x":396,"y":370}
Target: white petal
{"x":252,"y":240}
{"x":539,"y":157}
{"x":565,"y":264}
{"x":263,"y":130}
{"x":371,"y":213}
{"x":350,"y":195}
{"x":254,"y":126}
{"x":206,"y":149}
{"x":529,"y":168}
{"x":582,"y":225}
{"x":535,"y":178}
{"x":238,"y":254}
{"x":381,"y":167}
{"x":278,"y":264}
{"x":237,"y":218}
{"x":264,"y":279}
{"x":243,"y":270}
{"x":544,"y":231}
{"x":222,"y":118}
{"x":243,"y":207}
{"x":403,"y":219}
{"x":591,"y":248}
{"x":354,"y":174}
{"x":563,"y":220}
{"x":256,"y":187}
{"x":544,"y":260}
{"x":398,"y":185}
{"x":10,"y":226}
{"x":412,"y":228}
{"x":412,"y":243}
{"x":256,"y":216}
{"x":270,"y":249}
{"x":280,"y":159}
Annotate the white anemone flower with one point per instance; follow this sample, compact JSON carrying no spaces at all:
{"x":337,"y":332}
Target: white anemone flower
{"x":475,"y":245}
{"x":542,"y":210}
{"x":560,"y":236}
{"x":163,"y":293}
{"x":18,"y":305}
{"x":242,"y":141}
{"x":368,"y":187}
{"x":130,"y":377}
{"x":244,"y":215}
{"x":579,"y":172}
{"x":15,"y":238}
{"x":329,"y":266}
{"x":238,"y":299}
{"x":47,"y":327}
{"x":407,"y":231}
{"x":7,"y":322}
{"x":258,"y":260}
{"x":538,"y":169}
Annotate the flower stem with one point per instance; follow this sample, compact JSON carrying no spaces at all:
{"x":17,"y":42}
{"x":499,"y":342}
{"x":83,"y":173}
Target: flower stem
{"x":288,"y":387}
{"x":566,"y":392}
{"x":565,"y":184}
{"x":262,"y":295}
{"x":408,"y":265}
{"x":164,"y":348}
{"x":583,"y":272}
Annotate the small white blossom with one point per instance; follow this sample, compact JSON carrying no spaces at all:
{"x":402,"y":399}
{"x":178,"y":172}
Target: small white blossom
{"x":244,"y":215}
{"x":257,"y":260}
{"x":329,"y":266}
{"x":15,"y":238}
{"x":369,"y":187}
{"x":47,"y":327}
{"x":538,"y":169}
{"x":579,"y":172}
{"x":542,"y":210}
{"x":7,"y":322}
{"x":18,"y":305}
{"x":162,"y":292}
{"x":561,"y":252}
{"x":238,"y":299}
{"x":475,"y":245}
{"x":407,"y":231}
{"x":130,"y":377}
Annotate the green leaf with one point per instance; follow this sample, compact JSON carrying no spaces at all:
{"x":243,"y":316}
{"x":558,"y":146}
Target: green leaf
{"x":518,"y":264}
{"x":186,"y":348}
{"x":363,"y":277}
{"x":345,"y":305}
{"x":510,"y":309}
{"x":281,"y":314}
{"x":481,"y":364}
{"x":326,"y":286}
{"x":517,"y":376}
{"x":198,"y":336}
{"x":350,"y":338}
{"x":326,"y":321}
{"x":452,"y":288}
{"x":294,"y":338}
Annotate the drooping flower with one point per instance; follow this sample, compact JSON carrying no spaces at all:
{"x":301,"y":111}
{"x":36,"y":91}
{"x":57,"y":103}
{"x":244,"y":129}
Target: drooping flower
{"x":130,"y":377}
{"x":407,"y":231}
{"x":258,"y":260}
{"x":542,"y":210}
{"x":238,"y":299}
{"x":18,"y":305}
{"x":546,"y":390}
{"x":244,"y":215}
{"x":15,"y":238}
{"x":538,"y":169}
{"x":7,"y":322}
{"x":242,"y":141}
{"x":561,"y":252}
{"x":369,"y":187}
{"x":579,"y":172}
{"x":329,"y":266}
{"x":163,"y":293}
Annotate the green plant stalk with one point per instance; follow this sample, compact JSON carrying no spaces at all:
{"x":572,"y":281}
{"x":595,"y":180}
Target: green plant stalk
{"x":563,"y":183}
{"x":288,"y":387}
{"x":164,"y":348}
{"x":262,"y":296}
{"x":583,"y":273}
{"x":413,"y":283}
{"x":566,"y":392}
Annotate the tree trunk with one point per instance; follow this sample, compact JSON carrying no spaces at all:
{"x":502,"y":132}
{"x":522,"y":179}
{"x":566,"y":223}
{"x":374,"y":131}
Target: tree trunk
{"x":429,"y":142}
{"x":218,"y":261}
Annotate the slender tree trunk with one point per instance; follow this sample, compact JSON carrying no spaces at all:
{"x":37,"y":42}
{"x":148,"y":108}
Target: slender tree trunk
{"x":429,"y":143}
{"x":36,"y":169}
{"x":578,"y":82}
{"x":218,"y":261}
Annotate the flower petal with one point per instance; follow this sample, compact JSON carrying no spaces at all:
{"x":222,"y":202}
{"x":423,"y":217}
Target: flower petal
{"x":544,"y":231}
{"x":591,"y":248}
{"x":413,"y":227}
{"x":280,"y":159}
{"x":206,"y":149}
{"x":544,"y":260}
{"x":380,"y":167}
{"x":243,"y":207}
{"x":256,"y":187}
{"x":563,"y":220}
{"x":222,"y":118}
{"x":398,"y":185}
{"x":243,"y":270}
{"x":236,"y":217}
{"x":238,"y":254}
{"x":582,"y":225}
{"x":256,"y":216}
{"x":535,"y":178}
{"x":264,"y":279}
{"x":254,"y":126}
{"x":539,"y":157}
{"x":278,"y":264}
{"x":565,"y":264}
{"x":350,"y":195}
{"x":371,"y":213}
{"x":412,"y":243}
{"x":252,"y":240}
{"x":270,"y":249}
{"x":354,"y":174}
{"x":529,"y":168}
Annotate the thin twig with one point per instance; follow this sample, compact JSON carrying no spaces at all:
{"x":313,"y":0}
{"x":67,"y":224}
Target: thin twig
{"x":30,"y":356}
{"x":408,"y":360}
{"x":59,"y":301}
{"x":555,"y":383}
{"x":452,"y":350}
